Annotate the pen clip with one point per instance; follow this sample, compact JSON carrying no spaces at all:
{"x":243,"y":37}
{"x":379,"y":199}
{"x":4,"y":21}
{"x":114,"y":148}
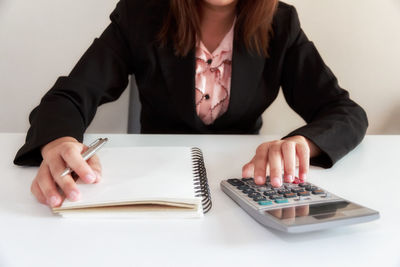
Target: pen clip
{"x":95,"y":142}
{"x":93,"y":147}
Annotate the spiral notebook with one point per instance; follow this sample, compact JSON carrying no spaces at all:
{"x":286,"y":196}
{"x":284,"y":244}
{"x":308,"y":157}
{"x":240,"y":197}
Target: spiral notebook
{"x":145,"y":182}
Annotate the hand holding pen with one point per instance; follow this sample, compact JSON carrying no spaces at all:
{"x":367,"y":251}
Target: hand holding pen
{"x":54,"y":180}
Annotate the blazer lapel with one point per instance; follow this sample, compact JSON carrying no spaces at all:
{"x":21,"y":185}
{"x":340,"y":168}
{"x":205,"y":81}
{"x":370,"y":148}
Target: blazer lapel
{"x":179,"y":74}
{"x":247,"y":69}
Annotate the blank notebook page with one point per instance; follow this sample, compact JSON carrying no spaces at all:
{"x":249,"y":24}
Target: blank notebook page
{"x":147,"y":174}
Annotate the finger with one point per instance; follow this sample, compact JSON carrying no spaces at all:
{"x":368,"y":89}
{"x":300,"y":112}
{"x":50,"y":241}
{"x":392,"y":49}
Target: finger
{"x":66,"y":182}
{"x":248,"y":169}
{"x":48,"y":187}
{"x":303,"y":153}
{"x":289,"y":160}
{"x":37,"y":192}
{"x":260,"y":164}
{"x":275,"y":165}
{"x":94,"y":163}
{"x":71,"y":154}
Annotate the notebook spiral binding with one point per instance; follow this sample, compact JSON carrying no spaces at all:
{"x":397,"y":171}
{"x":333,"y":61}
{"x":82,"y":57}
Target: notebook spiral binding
{"x":200,"y":179}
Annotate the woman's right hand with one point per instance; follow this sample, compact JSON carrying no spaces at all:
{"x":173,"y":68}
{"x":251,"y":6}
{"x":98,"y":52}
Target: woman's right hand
{"x":57,"y":155}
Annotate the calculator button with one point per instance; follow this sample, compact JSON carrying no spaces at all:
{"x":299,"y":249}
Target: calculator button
{"x":247,"y":179}
{"x":263,"y":188}
{"x":276,"y":197}
{"x":304,"y":193}
{"x":260,"y":198}
{"x":254,"y":194}
{"x":235,"y":182}
{"x":290,"y":195}
{"x":303,"y":184}
{"x":297,"y":190}
{"x":311,"y":188}
{"x":265,"y":202}
{"x":242,"y":187}
{"x":283,"y":191}
{"x":318,"y":192}
{"x":248,"y":190}
{"x":280,"y":201}
{"x":269,"y":193}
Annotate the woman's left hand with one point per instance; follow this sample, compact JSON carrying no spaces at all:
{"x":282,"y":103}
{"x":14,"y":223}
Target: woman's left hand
{"x":281,"y":155}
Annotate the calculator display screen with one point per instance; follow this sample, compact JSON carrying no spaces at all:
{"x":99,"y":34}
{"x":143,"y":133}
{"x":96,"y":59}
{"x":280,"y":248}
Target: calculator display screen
{"x":314,"y":212}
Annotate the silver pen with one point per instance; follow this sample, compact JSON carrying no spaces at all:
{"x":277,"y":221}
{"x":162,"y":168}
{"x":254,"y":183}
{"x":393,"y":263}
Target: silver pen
{"x":92,"y":149}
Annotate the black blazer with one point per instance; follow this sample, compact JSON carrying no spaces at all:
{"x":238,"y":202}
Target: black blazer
{"x":166,"y":86}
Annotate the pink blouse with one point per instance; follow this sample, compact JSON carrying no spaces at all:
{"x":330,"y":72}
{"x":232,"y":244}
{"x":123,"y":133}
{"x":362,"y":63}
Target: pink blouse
{"x":213,"y":79}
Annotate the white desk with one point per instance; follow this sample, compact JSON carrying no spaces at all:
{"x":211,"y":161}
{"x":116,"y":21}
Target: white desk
{"x":31,"y":236}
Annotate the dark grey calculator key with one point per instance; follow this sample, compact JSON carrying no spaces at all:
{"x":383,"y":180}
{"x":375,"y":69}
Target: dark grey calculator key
{"x":242,"y":187}
{"x":311,"y":188}
{"x":253,"y":194}
{"x":247,"y":179}
{"x":297,"y":189}
{"x":235,"y":182}
{"x":288,"y":186}
{"x":270,"y":193}
{"x":273,"y":197}
{"x":260,"y":198}
{"x":303,"y":184}
{"x":248,"y":190}
{"x":283,"y":191}
{"x":263,"y":188}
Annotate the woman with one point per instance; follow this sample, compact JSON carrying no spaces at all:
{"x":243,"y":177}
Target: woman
{"x":204,"y":66}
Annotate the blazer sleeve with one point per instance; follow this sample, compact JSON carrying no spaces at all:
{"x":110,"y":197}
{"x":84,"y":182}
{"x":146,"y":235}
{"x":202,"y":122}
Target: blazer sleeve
{"x":335,"y":123}
{"x":67,"y":109}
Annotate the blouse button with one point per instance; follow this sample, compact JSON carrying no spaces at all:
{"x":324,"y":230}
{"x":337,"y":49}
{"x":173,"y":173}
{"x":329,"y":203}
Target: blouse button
{"x":209,"y":61}
{"x":207,"y":96}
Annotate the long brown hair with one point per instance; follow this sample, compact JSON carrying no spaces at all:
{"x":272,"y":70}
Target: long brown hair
{"x":253,"y":25}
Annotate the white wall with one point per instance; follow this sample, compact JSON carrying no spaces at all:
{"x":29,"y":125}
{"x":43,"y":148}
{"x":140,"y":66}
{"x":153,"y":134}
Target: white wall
{"x":41,"y":40}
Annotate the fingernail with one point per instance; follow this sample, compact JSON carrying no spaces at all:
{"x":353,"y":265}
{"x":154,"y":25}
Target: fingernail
{"x":259,"y":180}
{"x":98,"y":176}
{"x":53,"y":201}
{"x":276,"y":182}
{"x":73,"y":196}
{"x":91,"y":177}
{"x":303,"y":177}
{"x":289,"y":178}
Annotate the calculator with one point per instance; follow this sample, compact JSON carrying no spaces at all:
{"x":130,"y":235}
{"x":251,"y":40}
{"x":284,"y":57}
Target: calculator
{"x":295,"y":207}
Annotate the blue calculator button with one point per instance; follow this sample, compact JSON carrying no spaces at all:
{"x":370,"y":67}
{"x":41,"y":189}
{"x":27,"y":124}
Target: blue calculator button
{"x":265,"y":202}
{"x":280,"y":201}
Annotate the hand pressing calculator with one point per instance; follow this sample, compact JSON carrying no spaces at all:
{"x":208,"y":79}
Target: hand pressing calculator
{"x":295,"y":208}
